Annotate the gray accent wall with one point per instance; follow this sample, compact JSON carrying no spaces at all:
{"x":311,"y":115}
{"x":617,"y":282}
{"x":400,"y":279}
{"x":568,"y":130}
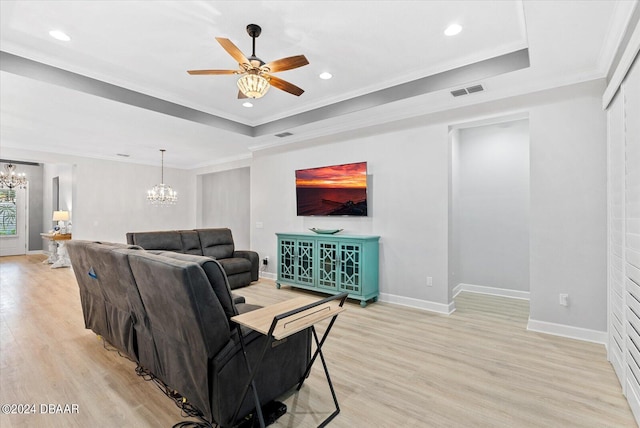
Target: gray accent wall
{"x":36,"y":189}
{"x":226,"y":203}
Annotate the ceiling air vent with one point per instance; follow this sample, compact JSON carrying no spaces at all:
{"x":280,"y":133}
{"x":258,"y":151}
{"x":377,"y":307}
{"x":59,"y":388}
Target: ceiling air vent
{"x":459,"y":92}
{"x":283,"y":134}
{"x":465,"y":91}
{"x":476,"y":88}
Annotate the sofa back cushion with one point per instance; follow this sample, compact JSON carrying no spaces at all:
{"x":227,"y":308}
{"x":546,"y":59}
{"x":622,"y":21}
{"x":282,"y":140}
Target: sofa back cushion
{"x":191,"y":242}
{"x":91,"y":296}
{"x":169,"y":240}
{"x":187,"y":321}
{"x":216,"y":276}
{"x":105,"y":269}
{"x":216,"y":243}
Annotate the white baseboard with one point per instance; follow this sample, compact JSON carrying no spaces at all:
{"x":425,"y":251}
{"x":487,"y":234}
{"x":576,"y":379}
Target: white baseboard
{"x":267,"y":275}
{"x":30,"y":252}
{"x":571,"y":332}
{"x":417,"y":303}
{"x":481,"y":289}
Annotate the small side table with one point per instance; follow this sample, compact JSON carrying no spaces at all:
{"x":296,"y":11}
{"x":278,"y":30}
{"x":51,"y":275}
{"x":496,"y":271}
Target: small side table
{"x":281,"y":320}
{"x":58,"y":255}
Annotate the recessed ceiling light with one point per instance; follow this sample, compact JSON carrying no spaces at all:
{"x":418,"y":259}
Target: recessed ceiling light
{"x":247,"y":104}
{"x":59,"y":35}
{"x":326,"y":75}
{"x":452,"y":30}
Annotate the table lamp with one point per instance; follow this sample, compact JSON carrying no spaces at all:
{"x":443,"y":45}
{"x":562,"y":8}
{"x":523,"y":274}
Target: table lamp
{"x":61,"y":217}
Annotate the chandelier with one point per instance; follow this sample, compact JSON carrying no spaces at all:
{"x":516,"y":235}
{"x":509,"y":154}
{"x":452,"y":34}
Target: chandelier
{"x":10,"y":179}
{"x":162,"y":194}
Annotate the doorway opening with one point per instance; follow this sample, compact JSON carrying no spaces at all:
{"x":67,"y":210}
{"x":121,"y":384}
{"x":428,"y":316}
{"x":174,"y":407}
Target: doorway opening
{"x":489,"y":209}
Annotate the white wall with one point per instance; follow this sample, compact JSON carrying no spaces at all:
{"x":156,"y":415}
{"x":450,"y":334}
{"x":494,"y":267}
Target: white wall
{"x":109,"y":198}
{"x":225,"y":202}
{"x":568,"y":211}
{"x":64,"y":172}
{"x":407,"y":179}
{"x":490,"y":175}
{"x":409,"y":166}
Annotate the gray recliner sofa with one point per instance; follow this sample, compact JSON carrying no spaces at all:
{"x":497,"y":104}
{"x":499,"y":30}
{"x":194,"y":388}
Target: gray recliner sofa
{"x":171,"y":313}
{"x":241,"y":266}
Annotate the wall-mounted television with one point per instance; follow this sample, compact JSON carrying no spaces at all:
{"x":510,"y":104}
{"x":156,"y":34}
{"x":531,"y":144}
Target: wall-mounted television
{"x":332,"y":190}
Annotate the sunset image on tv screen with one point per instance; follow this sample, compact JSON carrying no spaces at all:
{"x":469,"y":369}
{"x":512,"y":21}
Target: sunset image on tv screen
{"x":332,"y":190}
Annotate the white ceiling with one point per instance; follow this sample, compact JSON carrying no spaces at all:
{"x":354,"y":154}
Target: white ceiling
{"x":147,"y":46}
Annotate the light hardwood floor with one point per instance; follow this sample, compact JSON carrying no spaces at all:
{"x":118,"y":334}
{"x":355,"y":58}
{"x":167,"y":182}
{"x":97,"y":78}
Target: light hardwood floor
{"x":391,"y":366}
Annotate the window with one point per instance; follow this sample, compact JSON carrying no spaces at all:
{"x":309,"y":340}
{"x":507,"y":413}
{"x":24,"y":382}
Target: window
{"x":8,"y":213}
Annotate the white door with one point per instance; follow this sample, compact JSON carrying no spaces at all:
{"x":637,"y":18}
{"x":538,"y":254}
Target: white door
{"x":13,"y":222}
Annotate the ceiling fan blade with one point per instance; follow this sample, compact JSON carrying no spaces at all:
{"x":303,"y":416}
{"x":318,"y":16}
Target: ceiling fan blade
{"x":232,"y":50}
{"x":289,"y":63}
{"x":196,"y":72}
{"x":285,"y":86}
{"x":241,"y":95}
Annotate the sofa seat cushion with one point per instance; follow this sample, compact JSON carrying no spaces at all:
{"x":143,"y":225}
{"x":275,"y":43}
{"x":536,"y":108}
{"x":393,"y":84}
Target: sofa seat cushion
{"x":246,"y":307}
{"x":234,"y":265}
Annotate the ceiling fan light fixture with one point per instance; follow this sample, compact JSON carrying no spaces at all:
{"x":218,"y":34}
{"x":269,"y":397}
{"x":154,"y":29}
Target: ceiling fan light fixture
{"x":253,"y":85}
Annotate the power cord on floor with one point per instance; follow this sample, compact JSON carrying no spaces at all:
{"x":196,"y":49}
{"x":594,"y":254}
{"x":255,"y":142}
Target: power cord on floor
{"x":109,"y":347}
{"x":187,"y":410}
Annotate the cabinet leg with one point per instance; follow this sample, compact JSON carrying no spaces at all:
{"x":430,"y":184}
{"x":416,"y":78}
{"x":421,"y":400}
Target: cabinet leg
{"x":278,"y":285}
{"x":375,"y":299}
{"x":363,"y":303}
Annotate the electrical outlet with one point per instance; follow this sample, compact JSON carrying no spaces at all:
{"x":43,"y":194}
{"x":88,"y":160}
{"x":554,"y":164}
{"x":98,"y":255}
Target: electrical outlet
{"x":429,"y":281}
{"x":265,"y":261}
{"x":564,"y":299}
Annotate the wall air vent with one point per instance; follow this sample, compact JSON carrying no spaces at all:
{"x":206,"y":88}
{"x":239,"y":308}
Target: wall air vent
{"x":465,"y":91}
{"x":283,"y":134}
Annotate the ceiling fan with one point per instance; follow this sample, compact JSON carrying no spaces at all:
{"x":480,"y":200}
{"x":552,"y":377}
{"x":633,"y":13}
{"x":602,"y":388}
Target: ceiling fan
{"x":256,"y":74}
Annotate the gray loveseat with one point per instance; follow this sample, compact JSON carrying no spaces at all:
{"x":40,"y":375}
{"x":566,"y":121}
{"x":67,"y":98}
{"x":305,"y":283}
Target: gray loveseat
{"x":170,"y":312}
{"x":241,"y":267}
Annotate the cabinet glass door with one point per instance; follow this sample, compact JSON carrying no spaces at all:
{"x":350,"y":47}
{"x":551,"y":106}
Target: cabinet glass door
{"x":327,"y":270}
{"x":350,"y":268}
{"x":304,"y":268}
{"x":287,"y":259}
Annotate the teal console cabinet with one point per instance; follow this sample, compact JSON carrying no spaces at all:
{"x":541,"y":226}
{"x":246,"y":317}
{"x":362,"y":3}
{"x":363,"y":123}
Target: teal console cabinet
{"x":330,"y":264}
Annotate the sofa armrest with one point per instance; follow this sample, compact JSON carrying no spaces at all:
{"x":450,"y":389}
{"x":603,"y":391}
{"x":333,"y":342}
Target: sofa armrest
{"x":237,"y":299}
{"x":253,"y":257}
